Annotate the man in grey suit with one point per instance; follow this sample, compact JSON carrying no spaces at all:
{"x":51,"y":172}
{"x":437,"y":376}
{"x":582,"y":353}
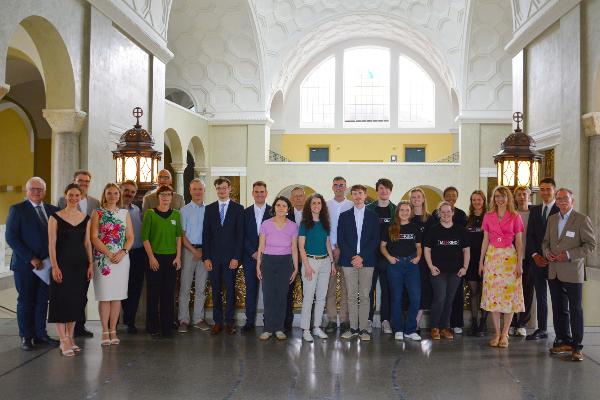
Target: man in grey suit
{"x":151,"y":199}
{"x":87,"y":205}
{"x":569,"y":238}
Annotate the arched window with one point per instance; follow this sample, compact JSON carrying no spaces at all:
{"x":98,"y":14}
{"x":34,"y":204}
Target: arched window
{"x":367,"y":88}
{"x":317,"y":97}
{"x":180,"y":97}
{"x":416,"y":95}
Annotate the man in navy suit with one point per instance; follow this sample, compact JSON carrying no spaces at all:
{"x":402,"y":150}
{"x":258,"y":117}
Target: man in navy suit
{"x":253,"y":218}
{"x":358,"y":241}
{"x":536,"y":228}
{"x":27,"y":235}
{"x":223,"y":245}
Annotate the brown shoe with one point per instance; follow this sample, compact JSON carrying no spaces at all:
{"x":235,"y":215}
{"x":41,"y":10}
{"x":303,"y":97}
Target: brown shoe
{"x":503,"y":342}
{"x":494,"y":341}
{"x":216,"y":329}
{"x":230,"y":329}
{"x":435,"y":334}
{"x":202,"y":325}
{"x":560,"y":349}
{"x":447,"y":334}
{"x":577,"y":355}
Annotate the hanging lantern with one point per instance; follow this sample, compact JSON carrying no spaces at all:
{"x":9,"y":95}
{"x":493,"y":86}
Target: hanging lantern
{"x":135,"y":158}
{"x":518,"y":162}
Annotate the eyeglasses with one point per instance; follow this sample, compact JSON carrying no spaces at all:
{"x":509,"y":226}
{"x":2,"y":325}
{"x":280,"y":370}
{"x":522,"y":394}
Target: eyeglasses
{"x":82,"y":181}
{"x":166,"y":194}
{"x":565,"y":199}
{"x":339,"y":185}
{"x":164,"y":177}
{"x":36,"y":190}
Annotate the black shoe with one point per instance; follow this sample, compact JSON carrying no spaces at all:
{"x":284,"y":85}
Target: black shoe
{"x":344,"y":326}
{"x":247,"y":328}
{"x":26,"y":344}
{"x":132,"y":330}
{"x":82,"y":332}
{"x":330,"y":327}
{"x":47,"y":340}
{"x":537,"y":335}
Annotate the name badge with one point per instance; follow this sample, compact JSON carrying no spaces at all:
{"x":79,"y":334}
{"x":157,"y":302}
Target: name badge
{"x":570,"y":234}
{"x":173,"y":222}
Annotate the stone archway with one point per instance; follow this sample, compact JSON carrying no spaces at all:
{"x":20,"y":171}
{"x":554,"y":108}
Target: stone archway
{"x":433,"y":196}
{"x":178,"y":162}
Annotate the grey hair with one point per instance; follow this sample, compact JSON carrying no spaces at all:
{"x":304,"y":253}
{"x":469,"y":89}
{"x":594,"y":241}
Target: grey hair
{"x":564,"y":189}
{"x":35,"y":179}
{"x":197,"y":180}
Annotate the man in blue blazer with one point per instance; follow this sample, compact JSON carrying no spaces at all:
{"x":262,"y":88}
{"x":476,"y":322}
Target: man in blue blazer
{"x":27,"y":235}
{"x":222,"y":251}
{"x":253,"y":217}
{"x":358,"y":241}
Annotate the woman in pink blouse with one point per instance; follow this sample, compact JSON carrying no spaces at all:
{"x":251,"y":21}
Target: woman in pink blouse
{"x":501,"y":263}
{"x":277,"y":265}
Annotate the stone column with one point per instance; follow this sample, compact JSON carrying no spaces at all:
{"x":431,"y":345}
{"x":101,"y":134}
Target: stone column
{"x":178,"y":168}
{"x":66,"y":126}
{"x":591,"y":128}
{"x":4,"y":88}
{"x":202,"y":173}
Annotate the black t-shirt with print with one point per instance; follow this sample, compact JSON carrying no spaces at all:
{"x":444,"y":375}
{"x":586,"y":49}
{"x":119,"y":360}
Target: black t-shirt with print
{"x":447,"y":246}
{"x":410,"y":235}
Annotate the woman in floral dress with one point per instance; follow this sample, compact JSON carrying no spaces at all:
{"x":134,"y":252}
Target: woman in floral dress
{"x":112,"y":236}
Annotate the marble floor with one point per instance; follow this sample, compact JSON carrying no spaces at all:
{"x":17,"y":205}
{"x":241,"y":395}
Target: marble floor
{"x":196,"y":365}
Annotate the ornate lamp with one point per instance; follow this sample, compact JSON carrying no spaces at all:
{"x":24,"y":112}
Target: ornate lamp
{"x":518,"y":162}
{"x":136,"y":160}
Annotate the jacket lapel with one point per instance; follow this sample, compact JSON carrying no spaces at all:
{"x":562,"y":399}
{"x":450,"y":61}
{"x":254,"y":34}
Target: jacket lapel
{"x":568,"y":225}
{"x":34,"y":215}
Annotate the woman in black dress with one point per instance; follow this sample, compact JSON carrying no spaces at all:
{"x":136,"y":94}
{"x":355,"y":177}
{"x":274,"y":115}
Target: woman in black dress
{"x":70,"y":252}
{"x":477,"y":210}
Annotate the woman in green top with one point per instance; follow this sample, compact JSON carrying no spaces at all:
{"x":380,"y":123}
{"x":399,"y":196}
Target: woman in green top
{"x":161,"y":235}
{"x":317,"y":262}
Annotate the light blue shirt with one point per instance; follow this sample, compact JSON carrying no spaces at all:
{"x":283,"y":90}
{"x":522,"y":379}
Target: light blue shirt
{"x":192,"y":219}
{"x":136,"y":221}
{"x":359,"y":216}
{"x":562,"y":221}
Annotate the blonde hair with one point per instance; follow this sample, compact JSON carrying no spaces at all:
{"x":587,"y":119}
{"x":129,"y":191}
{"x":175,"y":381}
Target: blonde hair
{"x":103,"y":198}
{"x":425,"y":216}
{"x":510,"y":203}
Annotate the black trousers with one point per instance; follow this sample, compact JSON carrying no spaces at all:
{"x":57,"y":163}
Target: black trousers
{"x":541,"y":295}
{"x":160,"y":295}
{"x":520,"y":320}
{"x":289,"y":310}
{"x":458,"y":306}
{"x":380,"y":272}
{"x":567,"y":308}
{"x":444,"y":292}
{"x":138,"y":262}
{"x":276,"y":272}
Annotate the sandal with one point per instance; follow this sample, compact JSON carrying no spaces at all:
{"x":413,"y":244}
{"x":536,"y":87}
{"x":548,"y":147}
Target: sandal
{"x":67,"y":352}
{"x":105,"y":342}
{"x":75,"y":348}
{"x":503,"y":342}
{"x":494,"y":341}
{"x":116,"y":340}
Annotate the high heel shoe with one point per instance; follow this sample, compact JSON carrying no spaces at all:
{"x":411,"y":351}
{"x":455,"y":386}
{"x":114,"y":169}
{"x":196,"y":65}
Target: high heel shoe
{"x":494,"y":341}
{"x":75,"y":348}
{"x":105,"y":342}
{"x":67,"y":352}
{"x":503,"y":342}
{"x":116,"y":340}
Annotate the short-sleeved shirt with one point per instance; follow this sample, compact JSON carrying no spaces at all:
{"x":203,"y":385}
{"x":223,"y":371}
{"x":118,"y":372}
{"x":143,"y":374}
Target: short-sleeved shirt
{"x":501,"y":233}
{"x":406,"y":245}
{"x":192,"y":220}
{"x":162,"y":230}
{"x":316,"y":239}
{"x":447,"y":246}
{"x":278,"y":241}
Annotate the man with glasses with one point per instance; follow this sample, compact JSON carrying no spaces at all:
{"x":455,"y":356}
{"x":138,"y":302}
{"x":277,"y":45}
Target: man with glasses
{"x":27,"y":235}
{"x":87,"y":205}
{"x":151,"y":199}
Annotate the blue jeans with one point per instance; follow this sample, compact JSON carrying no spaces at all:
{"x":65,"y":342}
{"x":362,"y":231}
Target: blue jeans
{"x":400,"y":275}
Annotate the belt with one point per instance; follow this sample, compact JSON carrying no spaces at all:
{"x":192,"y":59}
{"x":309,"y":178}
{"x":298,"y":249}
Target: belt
{"x":198,"y":246}
{"x":317,"y":257}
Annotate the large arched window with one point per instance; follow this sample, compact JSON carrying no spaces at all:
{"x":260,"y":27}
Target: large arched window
{"x":416,"y":95}
{"x":317,"y":97}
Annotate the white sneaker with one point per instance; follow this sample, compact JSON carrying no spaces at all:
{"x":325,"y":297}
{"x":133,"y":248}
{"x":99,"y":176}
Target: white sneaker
{"x":280,"y":335}
{"x":511,"y":331}
{"x":307,"y":336}
{"x":348,"y":334}
{"x":318,"y":332}
{"x":387,"y":329}
{"x":413,"y":336}
{"x":399,"y":336}
{"x":521,"y":332}
{"x":457,"y":330}
{"x":370,"y":327}
{"x":364,"y":336}
{"x":265,"y":336}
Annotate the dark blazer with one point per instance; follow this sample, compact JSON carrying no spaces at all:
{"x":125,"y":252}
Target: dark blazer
{"x":26,"y":235}
{"x":223,"y":243}
{"x":536,"y":230}
{"x":347,"y":238}
{"x":250,"y":232}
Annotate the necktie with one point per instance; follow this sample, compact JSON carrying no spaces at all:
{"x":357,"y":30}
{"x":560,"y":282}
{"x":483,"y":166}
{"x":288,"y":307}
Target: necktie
{"x":41,"y":216}
{"x":545,"y":214}
{"x":222,"y":213}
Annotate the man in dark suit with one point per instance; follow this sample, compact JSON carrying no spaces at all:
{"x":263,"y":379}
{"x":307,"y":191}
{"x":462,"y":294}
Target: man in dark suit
{"x":536,"y":228}
{"x":570,"y":237}
{"x":27,"y":235}
{"x":223,"y":246}
{"x":358,"y":241}
{"x":253,"y":218}
{"x":87,"y":205}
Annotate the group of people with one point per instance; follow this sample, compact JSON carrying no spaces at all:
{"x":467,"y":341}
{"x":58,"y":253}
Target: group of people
{"x":506,"y":251}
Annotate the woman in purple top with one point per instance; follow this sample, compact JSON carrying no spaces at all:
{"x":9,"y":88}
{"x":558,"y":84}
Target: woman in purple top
{"x":501,"y":263}
{"x":277,"y":265}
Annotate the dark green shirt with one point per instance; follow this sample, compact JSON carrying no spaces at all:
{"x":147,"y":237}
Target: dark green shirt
{"x":162,"y":233}
{"x":316,"y":239}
